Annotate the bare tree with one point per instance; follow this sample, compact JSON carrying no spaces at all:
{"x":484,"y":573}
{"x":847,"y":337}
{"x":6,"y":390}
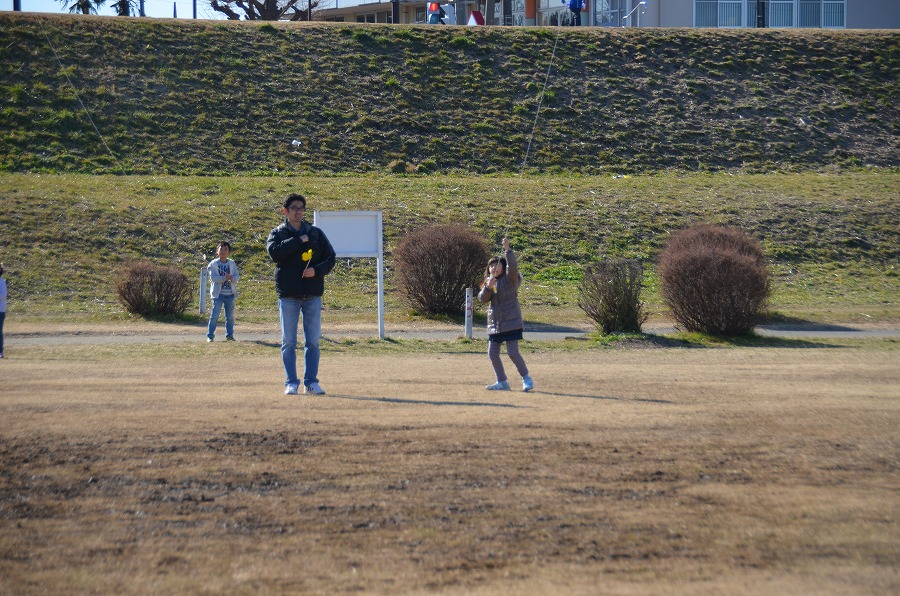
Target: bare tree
{"x":266,"y":10}
{"x":82,"y":6}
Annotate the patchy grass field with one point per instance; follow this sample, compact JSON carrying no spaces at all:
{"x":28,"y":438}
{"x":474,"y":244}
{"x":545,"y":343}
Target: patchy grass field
{"x":642,"y":469}
{"x":832,"y":238}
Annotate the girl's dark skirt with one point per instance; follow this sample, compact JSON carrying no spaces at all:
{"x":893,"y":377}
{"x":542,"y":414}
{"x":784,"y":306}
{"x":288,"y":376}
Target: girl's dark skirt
{"x":514,"y":335}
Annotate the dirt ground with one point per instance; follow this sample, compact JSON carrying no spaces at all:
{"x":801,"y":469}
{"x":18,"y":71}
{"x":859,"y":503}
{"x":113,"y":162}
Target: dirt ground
{"x":626,"y":471}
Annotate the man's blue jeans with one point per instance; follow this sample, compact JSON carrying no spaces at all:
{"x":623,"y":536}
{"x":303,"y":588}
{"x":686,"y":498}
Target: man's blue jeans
{"x":290,"y":309}
{"x":228,"y":303}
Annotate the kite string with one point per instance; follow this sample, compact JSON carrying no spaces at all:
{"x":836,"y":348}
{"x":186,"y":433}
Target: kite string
{"x":83,"y":107}
{"x":533,"y":128}
{"x":540,"y":104}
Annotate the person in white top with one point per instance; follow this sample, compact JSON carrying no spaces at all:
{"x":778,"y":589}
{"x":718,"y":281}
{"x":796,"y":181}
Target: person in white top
{"x":223,"y":273}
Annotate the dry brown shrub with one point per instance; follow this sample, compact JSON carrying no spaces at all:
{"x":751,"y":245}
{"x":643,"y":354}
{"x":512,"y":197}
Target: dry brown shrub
{"x":610,"y":295}
{"x":435,"y":265}
{"x":147,"y":289}
{"x":714,"y":279}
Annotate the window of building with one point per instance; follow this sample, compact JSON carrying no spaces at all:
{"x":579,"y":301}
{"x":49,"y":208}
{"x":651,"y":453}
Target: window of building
{"x":374,"y":17}
{"x":730,"y":13}
{"x":518,"y":12}
{"x":719,"y":13}
{"x":781,"y":13}
{"x":776,"y":13}
{"x":552,"y":13}
{"x":821,"y":13}
{"x":506,"y":12}
{"x":810,"y":14}
{"x":609,"y":13}
{"x":833,"y":13}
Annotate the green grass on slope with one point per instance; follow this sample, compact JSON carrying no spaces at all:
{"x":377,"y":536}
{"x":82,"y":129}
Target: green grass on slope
{"x":188,"y":97}
{"x":832,"y":239}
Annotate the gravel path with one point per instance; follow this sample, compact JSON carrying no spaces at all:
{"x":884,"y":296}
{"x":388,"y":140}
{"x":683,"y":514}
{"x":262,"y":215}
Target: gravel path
{"x":536,"y":333}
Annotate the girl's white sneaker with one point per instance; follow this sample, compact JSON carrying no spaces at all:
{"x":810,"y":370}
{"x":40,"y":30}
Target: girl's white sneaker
{"x":499,"y":386}
{"x":527,"y":383}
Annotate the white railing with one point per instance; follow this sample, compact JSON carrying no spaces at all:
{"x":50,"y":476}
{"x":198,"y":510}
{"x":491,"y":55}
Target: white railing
{"x":643,"y":8}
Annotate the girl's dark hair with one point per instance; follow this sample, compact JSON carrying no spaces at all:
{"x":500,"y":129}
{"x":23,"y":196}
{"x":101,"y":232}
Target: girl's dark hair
{"x":293,"y":198}
{"x":493,"y":261}
{"x":225,"y":244}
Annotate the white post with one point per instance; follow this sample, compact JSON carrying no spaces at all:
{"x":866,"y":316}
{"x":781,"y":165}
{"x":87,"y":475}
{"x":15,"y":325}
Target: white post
{"x":470,"y":308}
{"x":203,"y":271}
{"x":380,"y":280}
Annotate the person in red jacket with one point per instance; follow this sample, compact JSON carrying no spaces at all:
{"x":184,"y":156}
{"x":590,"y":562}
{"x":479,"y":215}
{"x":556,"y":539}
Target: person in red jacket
{"x":504,"y":323}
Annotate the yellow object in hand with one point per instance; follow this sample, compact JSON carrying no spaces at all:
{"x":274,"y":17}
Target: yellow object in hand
{"x":307,"y":255}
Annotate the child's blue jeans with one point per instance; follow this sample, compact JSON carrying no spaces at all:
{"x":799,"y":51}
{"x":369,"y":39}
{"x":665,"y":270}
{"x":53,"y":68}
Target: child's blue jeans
{"x":218,"y":303}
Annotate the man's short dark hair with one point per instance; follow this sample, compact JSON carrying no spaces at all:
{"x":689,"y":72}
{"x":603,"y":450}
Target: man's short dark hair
{"x":293,"y":198}
{"x":225,"y":244}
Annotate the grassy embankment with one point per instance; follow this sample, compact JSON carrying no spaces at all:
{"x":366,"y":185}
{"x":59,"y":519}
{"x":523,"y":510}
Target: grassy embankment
{"x":182,"y":97}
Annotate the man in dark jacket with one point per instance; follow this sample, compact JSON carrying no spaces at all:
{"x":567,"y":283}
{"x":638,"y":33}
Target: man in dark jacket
{"x":303,"y":257}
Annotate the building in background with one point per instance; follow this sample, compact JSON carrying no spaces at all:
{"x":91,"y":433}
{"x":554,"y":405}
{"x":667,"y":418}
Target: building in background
{"x":774,"y":14}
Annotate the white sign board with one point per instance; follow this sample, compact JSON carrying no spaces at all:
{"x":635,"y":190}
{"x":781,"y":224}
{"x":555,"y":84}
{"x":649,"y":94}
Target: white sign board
{"x":351,"y":233}
{"x":356,"y":234}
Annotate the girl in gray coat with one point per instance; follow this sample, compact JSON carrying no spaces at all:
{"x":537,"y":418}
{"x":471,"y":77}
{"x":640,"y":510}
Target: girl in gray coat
{"x":505,"y":323}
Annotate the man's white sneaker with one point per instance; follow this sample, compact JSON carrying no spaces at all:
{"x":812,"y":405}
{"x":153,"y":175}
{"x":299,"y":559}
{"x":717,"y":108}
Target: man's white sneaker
{"x":499,"y":386}
{"x":314,"y":389}
{"x":527,"y":383}
{"x":291,"y":389}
